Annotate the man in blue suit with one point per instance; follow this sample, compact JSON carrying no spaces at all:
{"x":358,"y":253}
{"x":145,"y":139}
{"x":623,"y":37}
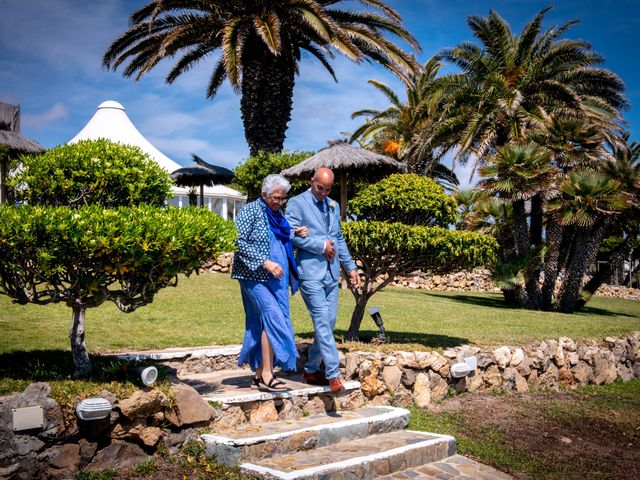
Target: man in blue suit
{"x":319,"y":257}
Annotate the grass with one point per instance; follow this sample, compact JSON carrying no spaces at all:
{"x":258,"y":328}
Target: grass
{"x":524,"y":437}
{"x":207,"y":310}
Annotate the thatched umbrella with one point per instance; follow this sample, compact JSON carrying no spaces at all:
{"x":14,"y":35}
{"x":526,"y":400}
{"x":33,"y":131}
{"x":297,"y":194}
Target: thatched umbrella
{"x":15,"y":144}
{"x":201,"y":173}
{"x":345,"y":160}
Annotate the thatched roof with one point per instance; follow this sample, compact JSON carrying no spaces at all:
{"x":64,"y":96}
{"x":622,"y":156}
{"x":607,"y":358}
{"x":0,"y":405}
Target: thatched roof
{"x":18,"y":143}
{"x":201,"y":173}
{"x":341,"y":157}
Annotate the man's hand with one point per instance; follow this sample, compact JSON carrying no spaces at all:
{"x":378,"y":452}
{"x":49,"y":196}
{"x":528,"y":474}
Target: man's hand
{"x":273,"y":268}
{"x":301,"y":232}
{"x":329,"y":250}
{"x":354,"y":278}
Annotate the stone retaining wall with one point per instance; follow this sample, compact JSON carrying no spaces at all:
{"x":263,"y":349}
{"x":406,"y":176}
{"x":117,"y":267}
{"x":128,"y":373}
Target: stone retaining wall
{"x":477,"y":280}
{"x":402,"y":378}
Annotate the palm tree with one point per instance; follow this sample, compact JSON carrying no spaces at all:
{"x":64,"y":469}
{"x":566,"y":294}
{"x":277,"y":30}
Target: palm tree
{"x":510,"y":82}
{"x":624,"y":167}
{"x":518,"y":173}
{"x":391,"y":131}
{"x":259,"y":45}
{"x":587,"y":201}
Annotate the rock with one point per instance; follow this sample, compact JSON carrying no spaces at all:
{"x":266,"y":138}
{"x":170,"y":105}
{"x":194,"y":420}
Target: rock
{"x":391,"y":376}
{"x":565,"y":377}
{"x":423,"y":360}
{"x":492,"y":377}
{"x":509,"y":378}
{"x":351,"y":365}
{"x":524,"y":367}
{"x":439,"y":364}
{"x":138,"y":432}
{"x":390,"y":361}
{"x":582,"y":373}
{"x":422,"y":390}
{"x":150,"y":436}
{"x":87,"y":451}
{"x":408,"y":378}
{"x":319,"y":404}
{"x":262,"y":412}
{"x":175,"y":441}
{"x":517,"y":357}
{"x":289,"y":411}
{"x":439,"y":387}
{"x":370,"y":384}
{"x":567,"y":344}
{"x":142,"y":403}
{"x":407,"y":359}
{"x":61,"y":461}
{"x":625,"y":373}
{"x":574,"y":358}
{"x":532,"y":379}
{"x":484,"y":360}
{"x":402,"y":397}
{"x":189,"y":407}
{"x":118,"y":456}
{"x":521,"y":384}
{"x":604,"y":368}
{"x":231,"y":418}
{"x":502,"y":356}
{"x":549,"y":378}
{"x":558,"y":356}
{"x":633,"y":348}
{"x":352,"y":401}
{"x":474,"y":382}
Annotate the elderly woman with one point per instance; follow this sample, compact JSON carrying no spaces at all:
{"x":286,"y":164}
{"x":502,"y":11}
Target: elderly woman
{"x":265,"y":267}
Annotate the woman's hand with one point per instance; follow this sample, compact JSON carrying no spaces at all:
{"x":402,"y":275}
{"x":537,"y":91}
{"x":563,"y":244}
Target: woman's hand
{"x":273,"y":268}
{"x":301,"y":232}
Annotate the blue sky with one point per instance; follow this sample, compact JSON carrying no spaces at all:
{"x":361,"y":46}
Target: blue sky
{"x":51,"y":51}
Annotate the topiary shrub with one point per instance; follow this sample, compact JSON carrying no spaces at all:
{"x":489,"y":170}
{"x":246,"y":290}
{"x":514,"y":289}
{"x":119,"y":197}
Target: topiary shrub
{"x":112,"y":242}
{"x":386,"y":248}
{"x":90,"y":172}
{"x":406,"y":198}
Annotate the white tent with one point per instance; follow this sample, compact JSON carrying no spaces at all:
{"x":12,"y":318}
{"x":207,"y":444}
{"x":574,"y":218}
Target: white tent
{"x":111,"y":122}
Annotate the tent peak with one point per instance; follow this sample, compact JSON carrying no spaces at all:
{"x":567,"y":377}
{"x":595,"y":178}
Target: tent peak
{"x":111,"y":104}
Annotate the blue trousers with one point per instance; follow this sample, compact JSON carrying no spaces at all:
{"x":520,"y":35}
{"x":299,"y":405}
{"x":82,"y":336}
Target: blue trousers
{"x":321,"y":298}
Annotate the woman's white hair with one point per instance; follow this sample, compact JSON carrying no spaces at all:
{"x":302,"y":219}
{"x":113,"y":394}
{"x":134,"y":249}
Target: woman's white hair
{"x":274,"y":182}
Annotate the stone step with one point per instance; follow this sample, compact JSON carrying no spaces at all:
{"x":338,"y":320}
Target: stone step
{"x":361,"y":459}
{"x":232,"y":387}
{"x":453,"y":467}
{"x":256,"y":442}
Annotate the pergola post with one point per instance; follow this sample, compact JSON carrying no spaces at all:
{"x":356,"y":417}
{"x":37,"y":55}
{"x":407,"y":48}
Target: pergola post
{"x":343,"y":196}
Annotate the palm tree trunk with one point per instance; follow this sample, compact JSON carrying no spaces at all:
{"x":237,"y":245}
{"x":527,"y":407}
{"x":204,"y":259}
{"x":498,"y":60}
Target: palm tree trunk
{"x":81,"y":359}
{"x":523,"y":247}
{"x":553,"y":240}
{"x":616,"y":260}
{"x":267,"y":97}
{"x":586,"y":248}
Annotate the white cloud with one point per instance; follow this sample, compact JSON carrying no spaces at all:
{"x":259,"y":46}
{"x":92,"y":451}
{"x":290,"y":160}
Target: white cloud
{"x":57,"y":111}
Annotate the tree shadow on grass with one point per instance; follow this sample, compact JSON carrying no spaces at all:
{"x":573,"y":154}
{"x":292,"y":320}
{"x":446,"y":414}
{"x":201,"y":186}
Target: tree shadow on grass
{"x":480,"y":301}
{"x":424,"y":339}
{"x":51,"y":365}
{"x":498,"y":302}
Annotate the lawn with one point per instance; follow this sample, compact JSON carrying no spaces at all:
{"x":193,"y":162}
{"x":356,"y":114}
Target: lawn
{"x":207,"y":310}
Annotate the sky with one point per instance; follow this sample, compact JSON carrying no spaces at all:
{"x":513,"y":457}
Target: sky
{"x":51,"y":65}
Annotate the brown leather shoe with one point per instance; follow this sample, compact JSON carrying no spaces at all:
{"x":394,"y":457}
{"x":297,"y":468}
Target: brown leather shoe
{"x":336,"y":385}
{"x":315,"y":378}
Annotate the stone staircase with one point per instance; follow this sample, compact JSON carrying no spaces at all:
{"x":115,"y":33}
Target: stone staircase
{"x":363,"y":443}
{"x":307,"y":433}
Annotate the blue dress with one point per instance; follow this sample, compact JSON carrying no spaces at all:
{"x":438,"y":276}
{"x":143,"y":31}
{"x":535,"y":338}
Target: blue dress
{"x":266,"y":306}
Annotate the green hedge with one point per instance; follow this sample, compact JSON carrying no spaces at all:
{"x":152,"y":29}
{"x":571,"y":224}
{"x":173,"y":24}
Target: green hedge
{"x":87,"y":255}
{"x":402,"y":248}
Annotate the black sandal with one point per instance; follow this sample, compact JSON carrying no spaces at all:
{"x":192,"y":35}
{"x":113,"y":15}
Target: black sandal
{"x":274,"y":385}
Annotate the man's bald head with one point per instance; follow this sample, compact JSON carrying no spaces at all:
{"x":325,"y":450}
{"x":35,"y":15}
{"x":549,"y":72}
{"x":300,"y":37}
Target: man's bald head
{"x":321,"y":183}
{"x":323,"y":174}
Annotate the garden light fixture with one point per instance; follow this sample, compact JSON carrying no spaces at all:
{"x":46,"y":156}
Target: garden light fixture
{"x":377,"y":318}
{"x":95,"y":408}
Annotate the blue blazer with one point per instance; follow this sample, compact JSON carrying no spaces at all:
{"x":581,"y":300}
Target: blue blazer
{"x":302,"y":211}
{"x":252,"y":243}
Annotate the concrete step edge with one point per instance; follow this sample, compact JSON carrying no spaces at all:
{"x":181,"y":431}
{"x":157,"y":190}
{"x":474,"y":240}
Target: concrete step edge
{"x":387,"y":413}
{"x":262,"y":396}
{"x":315,"y":472}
